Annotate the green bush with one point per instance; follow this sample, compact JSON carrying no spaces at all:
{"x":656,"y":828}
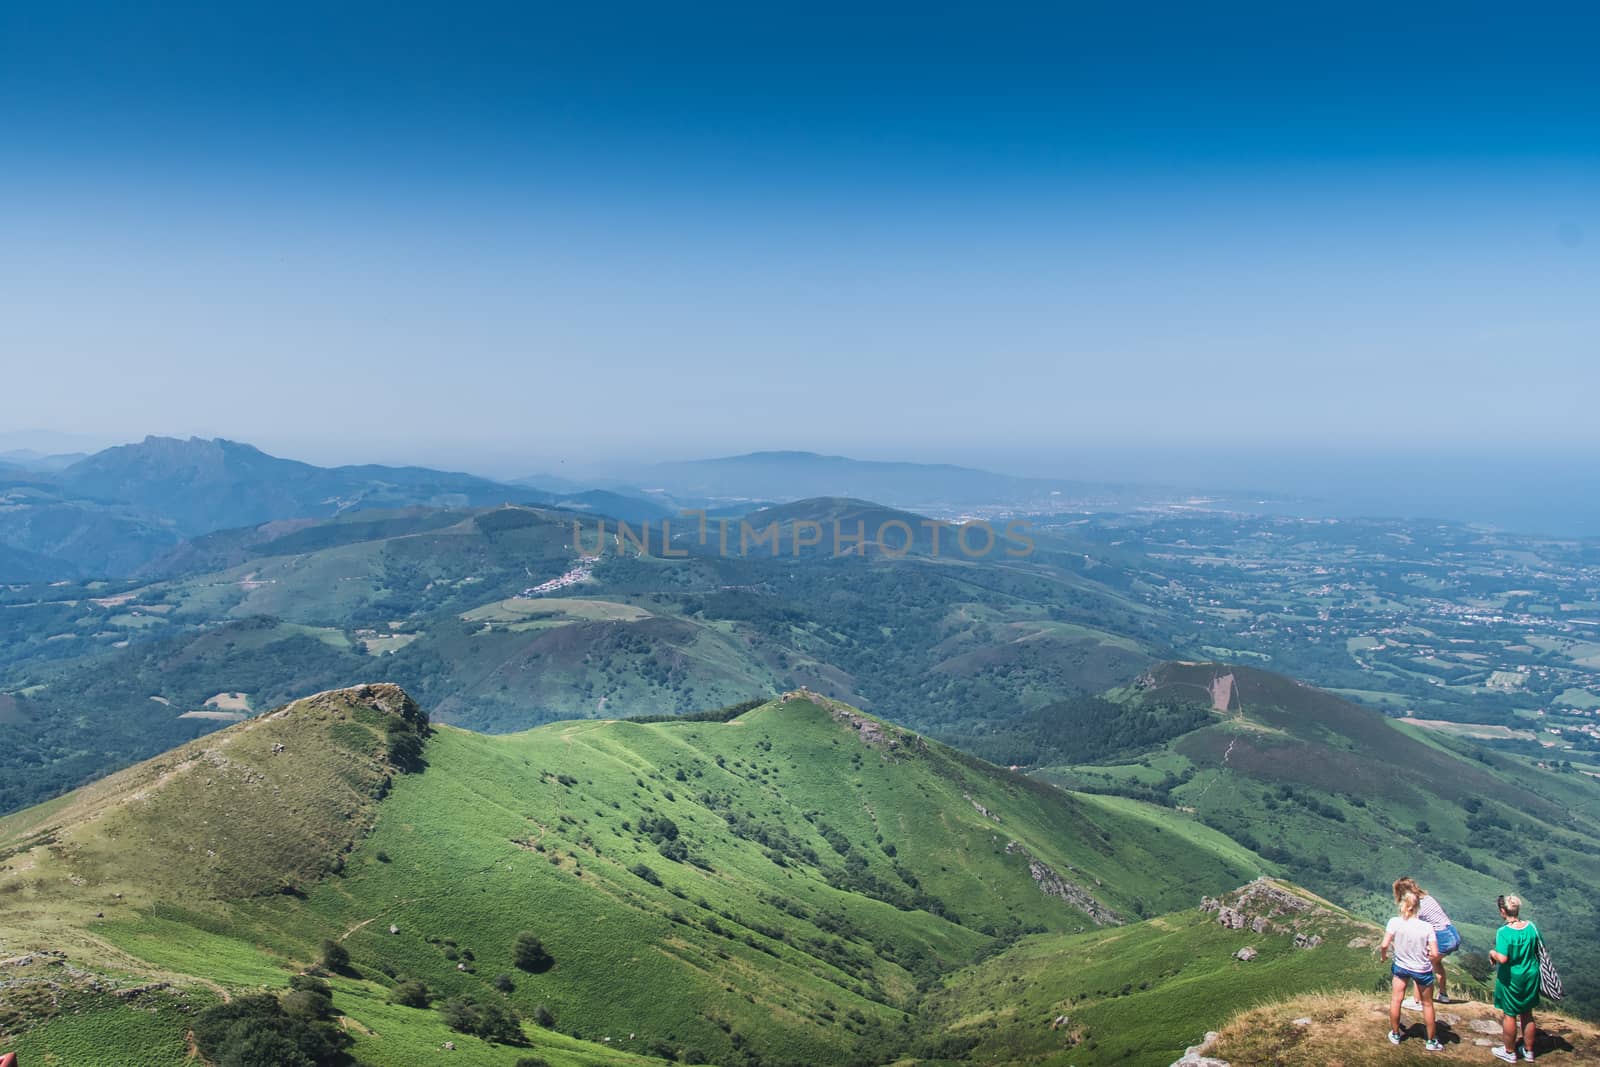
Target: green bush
{"x":475,"y":1014}
{"x":256,"y":1031}
{"x":409,"y":994}
{"x":333,"y":956}
{"x":529,"y":954}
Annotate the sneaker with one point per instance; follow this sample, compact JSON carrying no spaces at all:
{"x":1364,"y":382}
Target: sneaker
{"x":1411,"y":1004}
{"x":1442,"y":999}
{"x":1501,"y":1054}
{"x":1527,"y":1055}
{"x":1433,"y":1045}
{"x":1394,"y":1039}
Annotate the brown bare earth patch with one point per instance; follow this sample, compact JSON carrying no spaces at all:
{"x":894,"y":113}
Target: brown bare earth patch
{"x":1222,"y":692}
{"x":1351,"y":1030}
{"x":1479,"y":731}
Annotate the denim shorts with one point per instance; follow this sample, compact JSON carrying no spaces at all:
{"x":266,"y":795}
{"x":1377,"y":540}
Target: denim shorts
{"x":1449,"y":940}
{"x":1422,"y":978}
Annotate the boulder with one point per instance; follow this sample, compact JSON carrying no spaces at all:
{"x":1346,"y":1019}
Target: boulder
{"x":1195,"y":1055}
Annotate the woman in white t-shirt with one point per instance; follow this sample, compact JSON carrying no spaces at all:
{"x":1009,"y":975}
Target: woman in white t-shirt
{"x":1416,"y":954}
{"x":1430,"y":912}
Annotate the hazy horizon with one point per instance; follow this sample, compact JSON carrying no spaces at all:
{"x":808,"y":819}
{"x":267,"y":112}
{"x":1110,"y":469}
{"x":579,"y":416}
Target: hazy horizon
{"x":557,"y":231}
{"x":1185,"y":249}
{"x":1552,"y":495}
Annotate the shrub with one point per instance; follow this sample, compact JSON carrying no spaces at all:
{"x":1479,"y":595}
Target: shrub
{"x":256,"y":1031}
{"x":409,"y":994}
{"x":544,"y":1016}
{"x":529,"y":954}
{"x":405,"y":750}
{"x":405,"y":746}
{"x":504,"y":983}
{"x":312,"y":984}
{"x":644,"y":871}
{"x":471,"y":1013}
{"x":332,"y":955}
{"x":305,"y":1005}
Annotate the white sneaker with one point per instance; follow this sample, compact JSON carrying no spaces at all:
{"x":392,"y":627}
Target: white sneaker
{"x":1394,"y":1038}
{"x":1501,"y":1054}
{"x":1527,"y":1054}
{"x":1412,"y":1004}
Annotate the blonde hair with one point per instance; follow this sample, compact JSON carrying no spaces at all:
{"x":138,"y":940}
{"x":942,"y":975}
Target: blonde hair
{"x":1408,"y":905}
{"x":1513,"y":904}
{"x":1405,"y":885}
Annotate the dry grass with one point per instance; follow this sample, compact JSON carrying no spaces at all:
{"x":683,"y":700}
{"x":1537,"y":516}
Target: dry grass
{"x":1349,"y":1030}
{"x":267,"y":805}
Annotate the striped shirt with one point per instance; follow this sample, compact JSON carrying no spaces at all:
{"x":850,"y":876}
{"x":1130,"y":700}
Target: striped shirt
{"x":1429,"y":911}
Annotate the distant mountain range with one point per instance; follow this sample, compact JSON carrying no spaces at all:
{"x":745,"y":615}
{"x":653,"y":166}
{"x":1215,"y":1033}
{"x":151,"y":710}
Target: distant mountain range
{"x":114,"y":511}
{"x":200,"y":485}
{"x":780,"y":476}
{"x":111,"y":513}
{"x":28,"y":460}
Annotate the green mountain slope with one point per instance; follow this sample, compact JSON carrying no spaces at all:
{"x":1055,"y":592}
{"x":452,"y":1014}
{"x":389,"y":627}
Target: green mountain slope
{"x":778,"y":888}
{"x":1143,"y":993}
{"x":48,"y":533}
{"x":1343,"y":800}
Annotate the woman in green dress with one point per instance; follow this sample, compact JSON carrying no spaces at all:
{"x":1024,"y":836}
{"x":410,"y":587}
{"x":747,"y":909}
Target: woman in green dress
{"x":1516,"y":983}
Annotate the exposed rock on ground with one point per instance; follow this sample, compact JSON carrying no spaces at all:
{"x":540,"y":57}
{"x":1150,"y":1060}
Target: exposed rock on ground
{"x":1196,"y":1055}
{"x":1051,"y":884}
{"x":1265,"y":907}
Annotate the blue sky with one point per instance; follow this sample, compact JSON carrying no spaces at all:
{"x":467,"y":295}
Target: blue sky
{"x":508,"y":236}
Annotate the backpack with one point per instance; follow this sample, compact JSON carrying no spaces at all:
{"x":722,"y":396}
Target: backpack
{"x":1549,"y":978}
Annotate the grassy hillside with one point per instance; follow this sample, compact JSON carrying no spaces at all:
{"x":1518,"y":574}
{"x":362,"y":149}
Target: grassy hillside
{"x":1344,"y":800}
{"x":778,"y":888}
{"x":266,"y":807}
{"x":1143,"y":993}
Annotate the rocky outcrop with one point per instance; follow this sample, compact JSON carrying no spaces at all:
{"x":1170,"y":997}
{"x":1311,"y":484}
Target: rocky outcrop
{"x":1196,"y":1055}
{"x":887,"y":739}
{"x":1051,"y":884}
{"x":981,"y":810}
{"x":1265,"y":907}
